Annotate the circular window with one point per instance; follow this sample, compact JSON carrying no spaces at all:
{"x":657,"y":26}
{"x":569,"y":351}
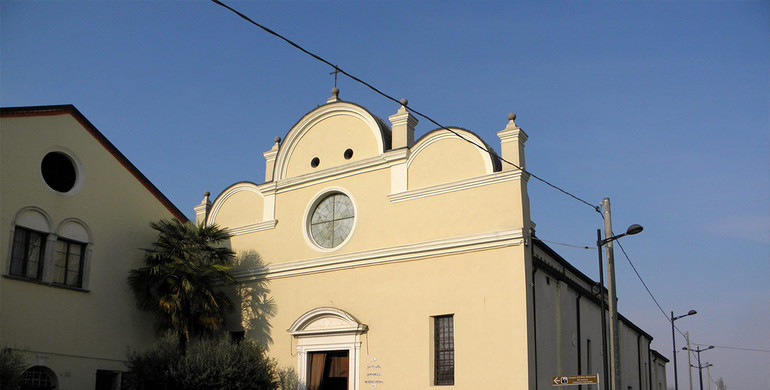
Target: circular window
{"x":59,"y":171}
{"x":314,"y":162}
{"x":348,"y":154}
{"x":331,"y":220}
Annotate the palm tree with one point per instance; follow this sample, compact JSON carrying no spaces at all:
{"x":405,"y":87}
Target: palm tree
{"x":179,"y":281}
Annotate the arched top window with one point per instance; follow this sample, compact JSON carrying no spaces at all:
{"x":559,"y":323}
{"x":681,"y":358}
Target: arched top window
{"x":28,"y":250}
{"x":38,"y":378}
{"x":55,"y":257}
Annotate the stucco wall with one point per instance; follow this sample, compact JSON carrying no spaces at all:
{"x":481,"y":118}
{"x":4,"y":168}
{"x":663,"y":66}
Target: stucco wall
{"x":454,"y":241}
{"x":75,"y":331}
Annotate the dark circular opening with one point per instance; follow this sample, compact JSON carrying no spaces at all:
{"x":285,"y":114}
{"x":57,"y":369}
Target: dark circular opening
{"x":348,"y":154}
{"x":58,"y":171}
{"x":314,"y":162}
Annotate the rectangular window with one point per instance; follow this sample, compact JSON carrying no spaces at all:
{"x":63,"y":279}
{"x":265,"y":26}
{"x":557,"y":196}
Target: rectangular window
{"x":444,"y":350}
{"x":27,"y":253}
{"x":68,"y":263}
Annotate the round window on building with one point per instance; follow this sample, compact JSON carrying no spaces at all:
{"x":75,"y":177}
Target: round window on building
{"x":332,"y":220}
{"x":59,"y":171}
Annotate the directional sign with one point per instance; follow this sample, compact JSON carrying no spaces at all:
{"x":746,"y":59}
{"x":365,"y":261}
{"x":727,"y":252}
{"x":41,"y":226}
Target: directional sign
{"x":575,"y":380}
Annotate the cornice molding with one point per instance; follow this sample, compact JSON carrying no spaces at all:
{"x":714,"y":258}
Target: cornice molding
{"x":256,"y":227}
{"x":475,"y":182}
{"x":401,"y":253}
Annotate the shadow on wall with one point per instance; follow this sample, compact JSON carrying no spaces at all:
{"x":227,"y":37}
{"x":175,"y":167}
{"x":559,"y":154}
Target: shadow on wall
{"x":252,"y":297}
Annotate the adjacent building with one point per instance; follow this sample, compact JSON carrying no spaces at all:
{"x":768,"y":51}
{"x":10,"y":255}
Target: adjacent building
{"x":391,"y":262}
{"x":74,"y":216}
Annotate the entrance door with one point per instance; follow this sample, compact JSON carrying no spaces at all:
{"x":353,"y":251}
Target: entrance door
{"x":328,"y":370}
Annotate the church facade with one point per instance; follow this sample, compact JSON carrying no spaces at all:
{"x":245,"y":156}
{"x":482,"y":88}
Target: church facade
{"x":391,"y":262}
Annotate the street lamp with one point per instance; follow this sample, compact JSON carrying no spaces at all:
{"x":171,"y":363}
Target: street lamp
{"x":633,"y":229}
{"x":673,"y":340}
{"x":700,"y":368}
{"x":600,"y":242}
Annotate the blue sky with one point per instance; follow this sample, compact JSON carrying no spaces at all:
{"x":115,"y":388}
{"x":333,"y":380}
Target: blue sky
{"x":662,"y":106}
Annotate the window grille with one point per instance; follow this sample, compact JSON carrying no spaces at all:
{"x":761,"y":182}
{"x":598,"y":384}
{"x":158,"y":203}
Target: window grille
{"x":444,"y":352}
{"x":27,"y":254}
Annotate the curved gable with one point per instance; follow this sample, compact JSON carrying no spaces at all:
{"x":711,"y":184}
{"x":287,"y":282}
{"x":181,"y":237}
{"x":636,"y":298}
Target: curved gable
{"x":325,"y":134}
{"x":239,"y":205}
{"x":442,"y":157}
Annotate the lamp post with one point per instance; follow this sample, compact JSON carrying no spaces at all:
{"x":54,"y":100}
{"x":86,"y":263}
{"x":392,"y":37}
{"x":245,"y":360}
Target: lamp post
{"x":604,"y":316}
{"x":673,"y":340}
{"x":607,"y":241}
{"x":700,"y":368}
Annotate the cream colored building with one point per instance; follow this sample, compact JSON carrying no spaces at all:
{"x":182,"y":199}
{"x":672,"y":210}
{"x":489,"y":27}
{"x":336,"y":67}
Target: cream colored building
{"x":75,"y":214}
{"x":395,"y":263}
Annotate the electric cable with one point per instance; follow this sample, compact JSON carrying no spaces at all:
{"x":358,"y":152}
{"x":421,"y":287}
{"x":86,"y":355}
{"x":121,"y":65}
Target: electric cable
{"x":389,"y":97}
{"x":563,"y":244}
{"x":734,"y":348}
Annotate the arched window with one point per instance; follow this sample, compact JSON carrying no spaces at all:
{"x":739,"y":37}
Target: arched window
{"x":39,"y":253}
{"x":70,"y":253}
{"x":38,"y":378}
{"x":30,"y":238}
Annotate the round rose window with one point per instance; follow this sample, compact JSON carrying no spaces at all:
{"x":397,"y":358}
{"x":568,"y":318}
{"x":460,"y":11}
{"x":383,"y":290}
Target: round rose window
{"x":332,"y":220}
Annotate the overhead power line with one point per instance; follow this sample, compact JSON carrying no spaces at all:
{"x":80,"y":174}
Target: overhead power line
{"x":668,"y":319}
{"x":337,"y":69}
{"x":734,"y":348}
{"x":563,"y":244}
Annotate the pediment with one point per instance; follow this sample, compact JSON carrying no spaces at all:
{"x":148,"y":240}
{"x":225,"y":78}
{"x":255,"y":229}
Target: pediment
{"x":326,"y":320}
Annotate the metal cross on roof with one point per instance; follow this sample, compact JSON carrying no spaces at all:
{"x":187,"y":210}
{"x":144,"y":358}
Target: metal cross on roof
{"x":336,"y":71}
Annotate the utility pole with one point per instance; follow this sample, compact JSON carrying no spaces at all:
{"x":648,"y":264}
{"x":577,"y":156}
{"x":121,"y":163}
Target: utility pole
{"x":604,"y":314}
{"x":689,"y":363}
{"x":708,"y":374}
{"x":700,"y":367}
{"x":613,"y":308}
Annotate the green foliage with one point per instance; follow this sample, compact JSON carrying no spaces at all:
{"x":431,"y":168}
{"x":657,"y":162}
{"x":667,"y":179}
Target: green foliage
{"x":178,"y":284}
{"x":287,"y":378}
{"x":12,"y":365}
{"x":209,"y":363}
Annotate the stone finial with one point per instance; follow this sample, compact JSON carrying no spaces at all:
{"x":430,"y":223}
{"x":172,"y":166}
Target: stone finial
{"x":335,"y":95}
{"x":270,"y":157}
{"x":203,"y":209}
{"x":403,"y":123}
{"x":512,"y":119}
{"x":512,"y":139}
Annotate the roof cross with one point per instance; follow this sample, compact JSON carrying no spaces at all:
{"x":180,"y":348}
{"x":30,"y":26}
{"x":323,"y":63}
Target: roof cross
{"x":336,"y":71}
